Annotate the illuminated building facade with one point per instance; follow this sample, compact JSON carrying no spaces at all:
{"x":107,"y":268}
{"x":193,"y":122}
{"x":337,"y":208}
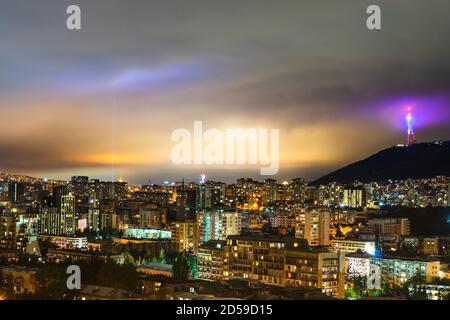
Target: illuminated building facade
{"x":314,"y":226}
{"x":210,"y":260}
{"x":70,"y":243}
{"x":218,"y":224}
{"x":147,"y":233}
{"x":394,"y":270}
{"x":67,"y":221}
{"x":352,"y":246}
{"x":430,"y":246}
{"x":354,"y":198}
{"x":185,"y":235}
{"x":283,"y":261}
{"x":398,"y":270}
{"x":324,"y":270}
{"x":8,"y":232}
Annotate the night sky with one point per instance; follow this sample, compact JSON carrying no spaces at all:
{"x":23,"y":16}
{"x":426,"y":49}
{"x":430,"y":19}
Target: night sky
{"x":73,"y":102}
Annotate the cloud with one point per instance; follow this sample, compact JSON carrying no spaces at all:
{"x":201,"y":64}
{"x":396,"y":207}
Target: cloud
{"x":140,"y":69}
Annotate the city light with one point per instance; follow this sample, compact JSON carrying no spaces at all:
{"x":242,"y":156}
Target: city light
{"x":246,"y":151}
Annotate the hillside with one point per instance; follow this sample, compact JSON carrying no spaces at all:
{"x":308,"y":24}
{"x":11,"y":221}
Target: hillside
{"x":421,"y":160}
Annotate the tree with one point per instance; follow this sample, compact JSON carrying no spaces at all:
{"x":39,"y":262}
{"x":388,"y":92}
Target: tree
{"x":415,"y":285}
{"x":129,"y":259}
{"x":51,"y":282}
{"x":161,"y":258}
{"x":358,"y":287}
{"x":185,"y":266}
{"x":122,"y":276}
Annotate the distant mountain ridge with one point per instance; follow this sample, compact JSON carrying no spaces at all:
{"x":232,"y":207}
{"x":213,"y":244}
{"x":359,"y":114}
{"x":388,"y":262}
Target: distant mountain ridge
{"x":420,"y":160}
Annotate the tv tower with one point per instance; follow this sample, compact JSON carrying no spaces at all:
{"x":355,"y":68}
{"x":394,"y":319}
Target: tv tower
{"x":410,"y":136}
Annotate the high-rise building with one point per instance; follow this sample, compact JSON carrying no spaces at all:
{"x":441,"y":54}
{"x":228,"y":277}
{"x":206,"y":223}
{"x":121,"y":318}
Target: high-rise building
{"x":314,"y":226}
{"x":218,"y":224}
{"x":57,"y":193}
{"x":68,"y":224}
{"x":269,"y":191}
{"x":93,"y":221}
{"x":108,"y":218}
{"x":150,"y":218}
{"x":185,"y":235}
{"x":79,"y":186}
{"x":8,"y":233}
{"x":50,"y":222}
{"x":214,"y":194}
{"x":15,"y":191}
{"x":298,"y":189}
{"x":187,"y":198}
{"x":354,"y":198}
{"x":60,"y":220}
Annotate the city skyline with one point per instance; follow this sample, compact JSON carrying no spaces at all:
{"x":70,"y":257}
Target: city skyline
{"x":219,"y":158}
{"x":73,"y":105}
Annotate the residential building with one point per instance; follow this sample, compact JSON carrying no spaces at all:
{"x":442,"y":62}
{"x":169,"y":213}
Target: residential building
{"x":210,"y":259}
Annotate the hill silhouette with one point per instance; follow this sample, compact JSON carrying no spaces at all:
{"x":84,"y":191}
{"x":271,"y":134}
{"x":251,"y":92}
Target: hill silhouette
{"x":420,"y":160}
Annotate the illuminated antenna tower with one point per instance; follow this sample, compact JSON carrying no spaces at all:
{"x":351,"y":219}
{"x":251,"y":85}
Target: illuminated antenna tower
{"x":411,"y":138}
{"x":202,"y":179}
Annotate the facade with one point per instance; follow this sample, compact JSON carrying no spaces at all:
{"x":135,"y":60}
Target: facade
{"x":214,"y":194}
{"x":147,"y":233}
{"x":94,"y":219}
{"x":398,"y":226}
{"x":354,"y":198}
{"x":8,"y":232}
{"x":324,"y":270}
{"x":298,"y":190}
{"x":68,"y":226}
{"x":185,"y":235}
{"x":60,"y":220}
{"x":150,"y":218}
{"x":283,"y":261}
{"x":218,"y":224}
{"x":430,"y":246}
{"x":352,"y":246}
{"x":398,"y":270}
{"x":314,"y":226}
{"x":210,"y":260}
{"x":20,"y":280}
{"x":283,"y":221}
{"x":64,"y":242}
{"x":394,"y":270}
{"x":357,"y":265}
